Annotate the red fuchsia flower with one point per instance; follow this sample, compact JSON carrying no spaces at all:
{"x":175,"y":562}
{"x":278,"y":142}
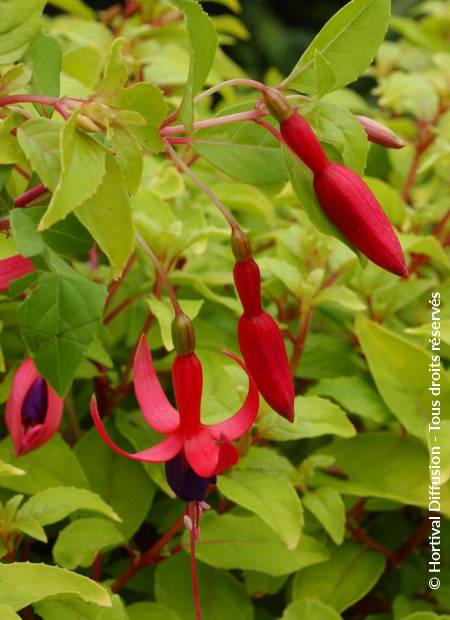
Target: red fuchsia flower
{"x":191,"y":449}
{"x":33,"y":410}
{"x":13,"y":268}
{"x":379,"y":134}
{"x":260,"y":340}
{"x":342,"y":194}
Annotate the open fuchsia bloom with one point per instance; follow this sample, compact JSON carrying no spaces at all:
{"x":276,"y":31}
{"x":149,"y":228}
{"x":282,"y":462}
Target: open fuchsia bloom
{"x":194,"y":452}
{"x":33,"y":410}
{"x":13,"y":268}
{"x":342,"y":194}
{"x":260,"y":340}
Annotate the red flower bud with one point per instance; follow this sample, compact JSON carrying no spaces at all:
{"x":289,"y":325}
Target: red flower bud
{"x":13,"y":268}
{"x":264,"y":353}
{"x":33,"y":411}
{"x":352,"y":207}
{"x":247,"y":278}
{"x":379,"y":134}
{"x":301,"y":139}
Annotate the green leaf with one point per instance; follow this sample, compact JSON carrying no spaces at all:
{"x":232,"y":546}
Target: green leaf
{"x":129,"y":155}
{"x":325,"y":75}
{"x":44,"y":53}
{"x":412,"y":93}
{"x":21,"y":20}
{"x":203,"y":43}
{"x":336,"y":126}
{"x":272,"y":498}
{"x":7,"y":613}
{"x":163,"y":311}
{"x":151,"y":611}
{"x":233,"y":542}
{"x":109,"y":475}
{"x":72,"y":608}
{"x":80,"y":542}
{"x":39,"y":140}
{"x":75,"y":7}
{"x":327,"y":506}
{"x":355,"y":395}
{"x":28,"y":241}
{"x":82,"y":171}
{"x":53,"y":465}
{"x":57,"y":503}
{"x":24,"y":583}
{"x":116,"y":72}
{"x":341,"y":296}
{"x":107,"y":216}
{"x":9,"y":470}
{"x":287,"y":273}
{"x":307,"y":608}
{"x":244,"y":151}
{"x":348,"y":42}
{"x":314,"y":417}
{"x":368,"y":475}
{"x":425,"y":330}
{"x":404,"y":382}
{"x":344,"y":579}
{"x":30,"y":527}
{"x":427,"y":245}
{"x":148,"y":101}
{"x":15,"y":79}
{"x":59,"y":321}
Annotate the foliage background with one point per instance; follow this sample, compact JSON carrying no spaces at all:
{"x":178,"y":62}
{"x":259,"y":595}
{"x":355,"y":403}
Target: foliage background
{"x":354,"y":467}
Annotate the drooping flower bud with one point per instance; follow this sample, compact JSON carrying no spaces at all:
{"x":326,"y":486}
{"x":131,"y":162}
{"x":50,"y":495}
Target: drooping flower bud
{"x":33,"y":410}
{"x":379,"y":134}
{"x":263,"y":350}
{"x":13,"y":268}
{"x":342,"y":194}
{"x":184,"y":482}
{"x":260,"y":339}
{"x":353,"y":208}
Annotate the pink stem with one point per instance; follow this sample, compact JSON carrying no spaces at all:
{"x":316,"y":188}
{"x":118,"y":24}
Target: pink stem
{"x":52,"y":101}
{"x":29,"y":195}
{"x":251,"y":115}
{"x":270,"y":128}
{"x":235,"y":82}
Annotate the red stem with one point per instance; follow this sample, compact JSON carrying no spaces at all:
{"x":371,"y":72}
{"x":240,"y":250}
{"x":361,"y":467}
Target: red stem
{"x":116,"y":284}
{"x":30,"y":195}
{"x":150,"y":556}
{"x":195,"y":588}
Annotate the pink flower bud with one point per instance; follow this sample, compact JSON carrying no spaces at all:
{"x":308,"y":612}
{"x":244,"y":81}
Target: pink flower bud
{"x":352,"y":208}
{"x":33,"y":410}
{"x":379,"y":134}
{"x":301,"y":139}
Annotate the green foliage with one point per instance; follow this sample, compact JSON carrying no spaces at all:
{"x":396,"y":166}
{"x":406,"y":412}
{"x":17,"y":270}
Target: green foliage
{"x":323,"y":518}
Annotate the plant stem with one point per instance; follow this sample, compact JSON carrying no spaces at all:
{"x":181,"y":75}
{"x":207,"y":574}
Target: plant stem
{"x":235,"y":82}
{"x":149,"y":556}
{"x":214,"y":199}
{"x":162,"y":274}
{"x":57,"y":104}
{"x":195,"y":588}
{"x":114,"y":287}
{"x":250,"y":115}
{"x":30,"y":195}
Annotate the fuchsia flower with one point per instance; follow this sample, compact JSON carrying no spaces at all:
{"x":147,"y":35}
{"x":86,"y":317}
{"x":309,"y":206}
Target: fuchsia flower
{"x":33,"y":410}
{"x":379,"y":134}
{"x":342,"y":194}
{"x":191,"y":449}
{"x":13,"y":268}
{"x":260,"y":340}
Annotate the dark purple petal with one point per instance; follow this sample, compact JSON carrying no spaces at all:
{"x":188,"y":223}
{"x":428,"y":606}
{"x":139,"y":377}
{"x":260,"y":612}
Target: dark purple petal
{"x":183,"y":480}
{"x":34,"y":408}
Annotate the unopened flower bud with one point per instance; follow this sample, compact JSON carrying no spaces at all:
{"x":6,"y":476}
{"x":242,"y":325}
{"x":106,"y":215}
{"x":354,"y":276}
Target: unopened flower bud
{"x":277,"y":104}
{"x":240,"y":244}
{"x":183,"y":334}
{"x":379,"y":134}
